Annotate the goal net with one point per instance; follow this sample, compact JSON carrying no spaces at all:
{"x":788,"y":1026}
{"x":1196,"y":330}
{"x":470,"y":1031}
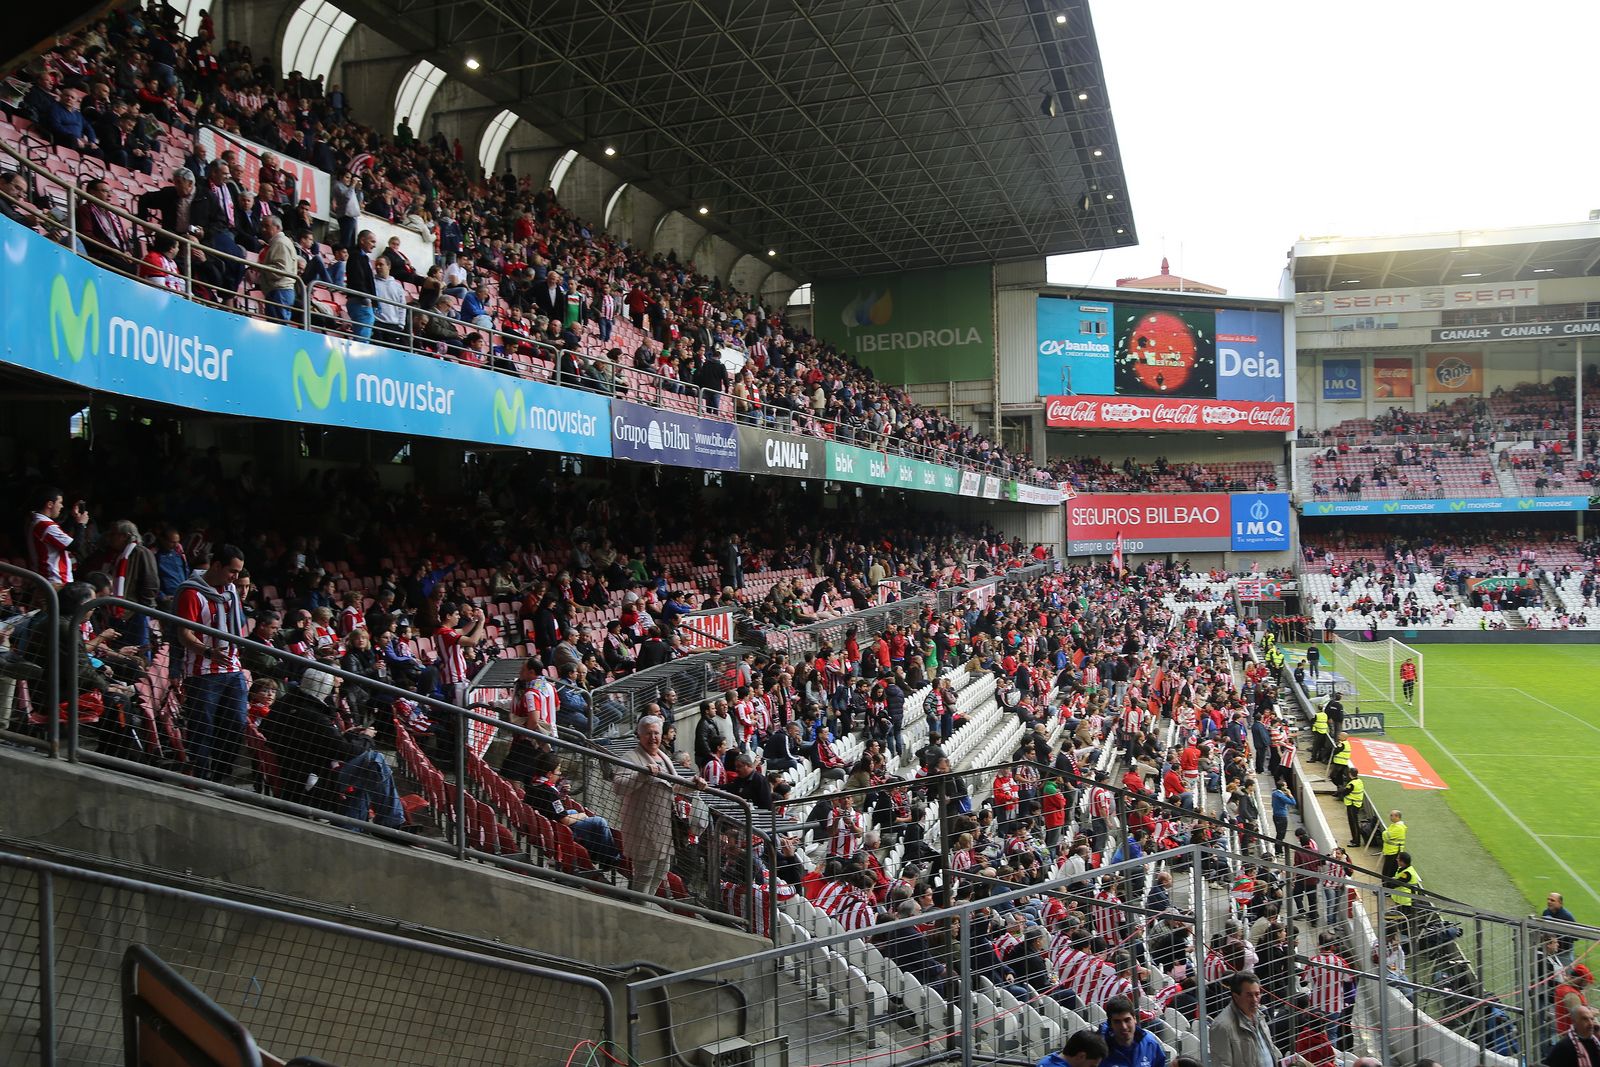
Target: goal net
{"x":1380,"y":672}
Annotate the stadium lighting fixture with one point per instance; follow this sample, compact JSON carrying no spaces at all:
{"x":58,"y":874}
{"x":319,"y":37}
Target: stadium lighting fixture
{"x":1083,"y":204}
{"x":1473,"y":274}
{"x":610,"y":151}
{"x":1047,"y":106}
{"x":1121,"y":230}
{"x":704,"y":210}
{"x":1111,"y":196}
{"x":772,"y":251}
{"x":472,"y":63}
{"x":1544,"y":270}
{"x":1083,"y":96}
{"x":1352,"y":281}
{"x":1098,"y":153}
{"x":1061,"y":20}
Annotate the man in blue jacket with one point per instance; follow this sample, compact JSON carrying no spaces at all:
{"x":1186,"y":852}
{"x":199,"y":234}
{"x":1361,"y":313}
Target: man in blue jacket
{"x":1083,"y":1049}
{"x":1127,"y":1043}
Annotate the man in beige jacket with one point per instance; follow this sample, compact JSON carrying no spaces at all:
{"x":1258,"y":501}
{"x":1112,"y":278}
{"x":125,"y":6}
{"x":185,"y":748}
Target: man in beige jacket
{"x":278,"y":269}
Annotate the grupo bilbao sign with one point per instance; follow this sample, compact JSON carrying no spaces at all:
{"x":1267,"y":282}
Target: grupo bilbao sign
{"x":1177,"y":522}
{"x":650,"y":435}
{"x":1142,"y":413}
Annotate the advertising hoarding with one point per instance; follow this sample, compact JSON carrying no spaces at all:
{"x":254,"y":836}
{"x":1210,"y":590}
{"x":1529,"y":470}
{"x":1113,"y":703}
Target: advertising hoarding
{"x":766,"y":452}
{"x":1341,"y":379}
{"x":649,"y":435}
{"x":1427,"y":298}
{"x":1134,"y":413}
{"x":1178,"y":522}
{"x":1075,"y":354}
{"x":1455,"y":372}
{"x":1517,"y":331}
{"x":1146,"y":352}
{"x":1391,"y":378}
{"x":310,"y":183}
{"x":1485,"y":505}
{"x":1250,"y":355}
{"x":69,"y":320}
{"x":913,"y":327}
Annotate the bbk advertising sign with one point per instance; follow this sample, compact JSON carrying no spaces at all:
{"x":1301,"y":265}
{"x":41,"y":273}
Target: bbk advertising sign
{"x":913,"y":328}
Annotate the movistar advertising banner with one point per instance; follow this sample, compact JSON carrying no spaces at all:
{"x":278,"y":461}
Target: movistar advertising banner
{"x":1445,"y":506}
{"x":920,"y":326}
{"x":78,"y":323}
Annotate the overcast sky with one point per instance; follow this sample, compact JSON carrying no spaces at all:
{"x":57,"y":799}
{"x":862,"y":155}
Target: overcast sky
{"x":1245,"y":125}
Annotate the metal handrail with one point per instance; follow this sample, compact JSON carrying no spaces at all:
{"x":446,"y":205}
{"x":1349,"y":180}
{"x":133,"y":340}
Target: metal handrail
{"x":859,"y":435}
{"x":463,"y":717}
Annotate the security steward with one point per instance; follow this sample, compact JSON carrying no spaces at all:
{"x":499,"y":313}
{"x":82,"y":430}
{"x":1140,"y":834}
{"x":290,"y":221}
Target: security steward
{"x":1405,"y":884}
{"x":1339,"y":769}
{"x":1321,"y":750}
{"x":1394,"y":843}
{"x":1354,"y":795}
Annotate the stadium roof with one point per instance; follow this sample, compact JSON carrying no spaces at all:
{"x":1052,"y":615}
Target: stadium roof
{"x":854,"y":137}
{"x":1525,"y":253}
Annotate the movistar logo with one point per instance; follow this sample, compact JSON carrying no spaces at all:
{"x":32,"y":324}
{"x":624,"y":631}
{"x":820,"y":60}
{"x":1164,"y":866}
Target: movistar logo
{"x":74,"y":325}
{"x":1525,"y":504}
{"x":1457,"y":505}
{"x":1391,"y":507}
{"x":317,"y":386}
{"x":1326,"y":509}
{"x":508,"y":413}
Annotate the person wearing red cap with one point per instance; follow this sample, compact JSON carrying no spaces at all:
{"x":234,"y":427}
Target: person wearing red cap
{"x":1568,"y":997}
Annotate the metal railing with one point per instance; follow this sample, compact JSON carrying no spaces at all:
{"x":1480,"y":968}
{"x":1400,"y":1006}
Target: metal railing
{"x":302,"y":985}
{"x":478,"y":813}
{"x":39,"y":683}
{"x":541,"y":361}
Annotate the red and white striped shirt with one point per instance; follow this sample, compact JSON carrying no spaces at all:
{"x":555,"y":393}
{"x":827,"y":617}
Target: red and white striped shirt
{"x":715,"y":772}
{"x":845,"y":828}
{"x":47,"y":549}
{"x":452,"y":661}
{"x":349,"y":619}
{"x":854,"y":910}
{"x":1326,"y":984}
{"x":829,"y":895}
{"x":1006,"y":943}
{"x":218,"y":609}
{"x":1107,"y":917}
{"x":536,"y":706}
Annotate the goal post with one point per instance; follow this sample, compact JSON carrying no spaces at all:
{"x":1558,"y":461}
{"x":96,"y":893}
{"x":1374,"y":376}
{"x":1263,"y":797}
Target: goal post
{"x":1378,"y":669}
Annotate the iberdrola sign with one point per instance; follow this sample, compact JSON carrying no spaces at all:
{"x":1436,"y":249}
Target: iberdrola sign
{"x":916,"y":327}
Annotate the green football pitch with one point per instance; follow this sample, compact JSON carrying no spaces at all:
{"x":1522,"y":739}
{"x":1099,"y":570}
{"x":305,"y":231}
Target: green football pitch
{"x":1513,"y":730}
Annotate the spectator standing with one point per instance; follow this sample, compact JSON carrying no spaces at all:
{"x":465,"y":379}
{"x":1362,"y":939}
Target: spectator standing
{"x":359,"y":279}
{"x":279,"y":269}
{"x":1579,"y":1047}
{"x":50,"y":545}
{"x":346,"y":204}
{"x":647,"y":806}
{"x":1239,"y":1035}
{"x":213,"y":680}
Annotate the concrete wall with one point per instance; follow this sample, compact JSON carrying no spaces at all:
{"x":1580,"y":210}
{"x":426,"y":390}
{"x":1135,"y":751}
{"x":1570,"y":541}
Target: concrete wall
{"x":370,"y":67}
{"x":258,"y":24}
{"x":103,"y":813}
{"x":678,"y":232}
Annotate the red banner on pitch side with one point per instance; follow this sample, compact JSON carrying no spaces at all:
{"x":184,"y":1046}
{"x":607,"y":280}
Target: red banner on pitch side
{"x":1156,"y":413}
{"x":1393,"y":763}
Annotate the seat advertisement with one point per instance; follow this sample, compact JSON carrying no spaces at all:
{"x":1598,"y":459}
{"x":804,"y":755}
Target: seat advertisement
{"x":1162,"y":523}
{"x":1167,"y":366}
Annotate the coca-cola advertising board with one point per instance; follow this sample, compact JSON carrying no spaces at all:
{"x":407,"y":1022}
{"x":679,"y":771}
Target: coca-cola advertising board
{"x":1161,"y":413}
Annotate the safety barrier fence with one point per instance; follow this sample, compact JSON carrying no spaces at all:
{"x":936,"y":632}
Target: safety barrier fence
{"x":1469,"y":987}
{"x":301,"y":985}
{"x":327,"y":761}
{"x":927,"y":987}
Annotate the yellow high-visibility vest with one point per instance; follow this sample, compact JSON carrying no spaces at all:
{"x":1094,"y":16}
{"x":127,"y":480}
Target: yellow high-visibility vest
{"x":1357,"y":794}
{"x":1341,"y":758}
{"x":1394,"y":838}
{"x":1319,"y":725}
{"x":1410,"y":880}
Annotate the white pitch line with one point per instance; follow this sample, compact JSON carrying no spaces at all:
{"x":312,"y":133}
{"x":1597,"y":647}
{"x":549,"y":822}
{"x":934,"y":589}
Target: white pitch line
{"x":1577,"y":879}
{"x":1552,"y":707}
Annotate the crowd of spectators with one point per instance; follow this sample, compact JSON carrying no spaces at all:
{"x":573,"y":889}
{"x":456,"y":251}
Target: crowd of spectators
{"x":1527,"y":411}
{"x":1092,"y":474}
{"x":514,"y":270}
